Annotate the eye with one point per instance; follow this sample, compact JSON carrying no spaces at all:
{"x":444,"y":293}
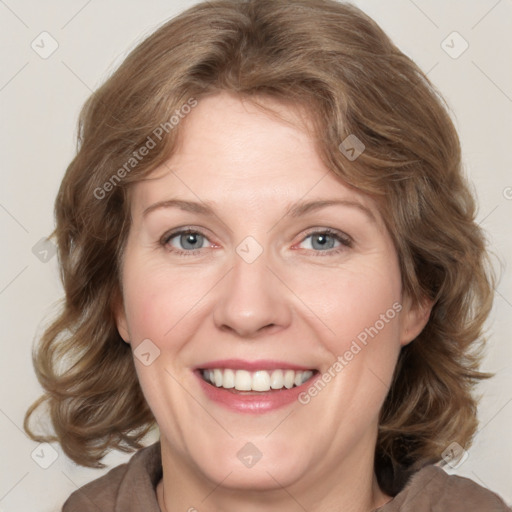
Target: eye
{"x":189,"y":241}
{"x":327,"y":240}
{"x":185,"y":241}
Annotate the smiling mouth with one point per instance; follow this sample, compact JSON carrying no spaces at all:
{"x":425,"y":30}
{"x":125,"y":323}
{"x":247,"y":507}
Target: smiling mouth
{"x":259,"y":381}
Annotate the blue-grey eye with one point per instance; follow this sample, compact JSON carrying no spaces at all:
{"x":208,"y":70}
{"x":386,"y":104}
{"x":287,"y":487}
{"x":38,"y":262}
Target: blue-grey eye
{"x":324,"y":241}
{"x":187,"y":241}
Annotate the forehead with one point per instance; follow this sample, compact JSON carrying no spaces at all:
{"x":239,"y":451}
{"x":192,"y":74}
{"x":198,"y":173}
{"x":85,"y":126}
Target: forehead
{"x":235,"y":154}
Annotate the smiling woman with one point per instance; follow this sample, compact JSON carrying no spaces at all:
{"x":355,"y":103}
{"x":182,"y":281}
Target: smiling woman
{"x":290,"y":282}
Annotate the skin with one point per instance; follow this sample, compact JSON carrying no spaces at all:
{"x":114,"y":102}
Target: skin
{"x":296,"y":302}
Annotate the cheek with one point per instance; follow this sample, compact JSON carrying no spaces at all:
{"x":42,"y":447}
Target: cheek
{"x":361,"y":301}
{"x":158,"y":300}
{"x":361,"y":310}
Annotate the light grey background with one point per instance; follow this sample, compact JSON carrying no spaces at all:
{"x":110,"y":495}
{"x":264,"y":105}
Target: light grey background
{"x":40,"y":99}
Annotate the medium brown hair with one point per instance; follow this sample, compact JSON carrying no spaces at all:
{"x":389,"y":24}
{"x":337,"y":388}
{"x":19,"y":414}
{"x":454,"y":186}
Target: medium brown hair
{"x":334,"y":60}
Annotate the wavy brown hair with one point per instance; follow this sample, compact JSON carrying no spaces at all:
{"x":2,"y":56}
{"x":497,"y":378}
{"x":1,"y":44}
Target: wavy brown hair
{"x":336,"y":62}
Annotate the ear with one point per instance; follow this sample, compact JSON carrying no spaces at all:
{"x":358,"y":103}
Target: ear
{"x":414,"y":319}
{"x":120,"y":318}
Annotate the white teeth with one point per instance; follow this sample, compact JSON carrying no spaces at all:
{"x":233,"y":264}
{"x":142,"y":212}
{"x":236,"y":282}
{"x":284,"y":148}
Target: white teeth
{"x":289,"y":379}
{"x":277,"y":379}
{"x":306,"y":376}
{"x":228,"y":381}
{"x":260,"y":380}
{"x":242,"y":380}
{"x":217,"y":376}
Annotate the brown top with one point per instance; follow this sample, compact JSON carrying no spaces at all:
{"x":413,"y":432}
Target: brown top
{"x":131,"y":487}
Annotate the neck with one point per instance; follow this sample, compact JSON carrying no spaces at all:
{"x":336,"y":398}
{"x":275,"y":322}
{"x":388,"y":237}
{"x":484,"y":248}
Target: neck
{"x":351,"y":486}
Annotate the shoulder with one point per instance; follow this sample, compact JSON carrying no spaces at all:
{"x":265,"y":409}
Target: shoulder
{"x":455,"y":492}
{"x":125,"y":487}
{"x":431,"y":488}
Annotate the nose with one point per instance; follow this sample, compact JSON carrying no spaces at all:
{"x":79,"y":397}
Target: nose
{"x":252,"y":300}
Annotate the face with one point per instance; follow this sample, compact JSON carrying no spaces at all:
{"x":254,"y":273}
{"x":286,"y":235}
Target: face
{"x":251,"y":265}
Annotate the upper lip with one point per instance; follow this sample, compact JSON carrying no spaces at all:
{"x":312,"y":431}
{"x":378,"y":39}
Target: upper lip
{"x":260,"y":364}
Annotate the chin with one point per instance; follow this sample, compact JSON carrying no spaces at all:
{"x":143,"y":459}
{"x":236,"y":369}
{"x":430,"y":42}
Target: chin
{"x":272,"y":474}
{"x":260,"y":465}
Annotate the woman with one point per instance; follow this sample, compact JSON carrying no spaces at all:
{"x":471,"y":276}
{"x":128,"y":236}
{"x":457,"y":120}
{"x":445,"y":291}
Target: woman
{"x":268,"y":249}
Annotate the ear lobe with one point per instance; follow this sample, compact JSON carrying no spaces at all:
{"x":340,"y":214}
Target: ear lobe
{"x":414,"y":319}
{"x":121,"y":323}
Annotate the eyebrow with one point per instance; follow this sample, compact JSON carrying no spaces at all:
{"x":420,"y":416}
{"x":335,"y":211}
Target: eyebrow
{"x":303,"y":207}
{"x":295,"y":210}
{"x":188,"y":206}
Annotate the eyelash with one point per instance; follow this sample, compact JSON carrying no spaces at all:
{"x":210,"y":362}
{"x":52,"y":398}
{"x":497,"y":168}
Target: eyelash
{"x":169,"y":236}
{"x":345,"y":241}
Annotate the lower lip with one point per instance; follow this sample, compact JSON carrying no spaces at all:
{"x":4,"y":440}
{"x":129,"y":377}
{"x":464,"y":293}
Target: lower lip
{"x":253,"y":403}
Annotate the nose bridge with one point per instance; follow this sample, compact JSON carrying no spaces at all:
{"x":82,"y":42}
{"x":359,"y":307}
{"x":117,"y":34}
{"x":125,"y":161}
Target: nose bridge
{"x":251,"y":297}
